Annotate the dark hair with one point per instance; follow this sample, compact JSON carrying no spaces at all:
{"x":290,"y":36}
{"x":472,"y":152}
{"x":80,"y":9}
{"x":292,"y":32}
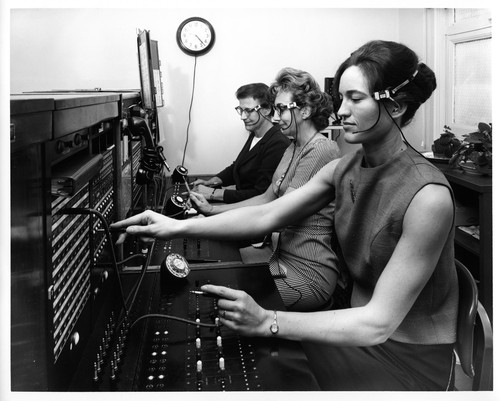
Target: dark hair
{"x":386,"y":65}
{"x":257,"y":91}
{"x":305,"y":92}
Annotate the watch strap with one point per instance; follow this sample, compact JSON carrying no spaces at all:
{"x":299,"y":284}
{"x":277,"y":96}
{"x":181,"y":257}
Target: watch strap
{"x":274,"y":328}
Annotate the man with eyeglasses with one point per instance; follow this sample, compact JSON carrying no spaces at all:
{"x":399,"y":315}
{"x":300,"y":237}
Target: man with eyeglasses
{"x":252,"y":171}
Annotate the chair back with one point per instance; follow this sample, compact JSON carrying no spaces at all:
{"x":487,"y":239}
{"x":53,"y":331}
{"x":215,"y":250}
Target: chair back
{"x":467,"y":310}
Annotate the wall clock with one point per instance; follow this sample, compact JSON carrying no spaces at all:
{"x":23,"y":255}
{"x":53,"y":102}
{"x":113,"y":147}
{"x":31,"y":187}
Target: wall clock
{"x":195,"y":36}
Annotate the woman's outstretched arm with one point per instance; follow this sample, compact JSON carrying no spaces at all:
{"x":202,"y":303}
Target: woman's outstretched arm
{"x":241,"y":223}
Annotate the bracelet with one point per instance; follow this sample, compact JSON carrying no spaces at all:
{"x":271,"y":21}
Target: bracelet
{"x":212,"y":195}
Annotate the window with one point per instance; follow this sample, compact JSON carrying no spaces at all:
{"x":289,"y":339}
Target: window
{"x":467,"y":72}
{"x":472,"y":82}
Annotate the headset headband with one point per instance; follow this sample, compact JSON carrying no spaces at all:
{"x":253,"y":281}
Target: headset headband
{"x":388,"y":93}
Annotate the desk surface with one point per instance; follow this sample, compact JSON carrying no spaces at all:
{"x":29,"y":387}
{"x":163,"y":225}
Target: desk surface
{"x":479,"y":183}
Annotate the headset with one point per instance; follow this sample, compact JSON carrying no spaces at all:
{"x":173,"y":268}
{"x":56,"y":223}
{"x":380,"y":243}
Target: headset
{"x":258,"y":109}
{"x":387,"y":94}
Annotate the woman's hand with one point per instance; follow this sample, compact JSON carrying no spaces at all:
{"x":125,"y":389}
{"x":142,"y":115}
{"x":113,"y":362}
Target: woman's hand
{"x":147,"y":225}
{"x":200,"y":203}
{"x":239,"y":312}
{"x":212,"y":182}
{"x":204,"y":190}
{"x":201,"y":182}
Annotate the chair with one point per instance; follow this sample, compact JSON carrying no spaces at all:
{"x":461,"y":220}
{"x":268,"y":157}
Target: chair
{"x":474,"y":345}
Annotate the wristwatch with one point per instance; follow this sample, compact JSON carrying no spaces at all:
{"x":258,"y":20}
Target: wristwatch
{"x":274,"y":326}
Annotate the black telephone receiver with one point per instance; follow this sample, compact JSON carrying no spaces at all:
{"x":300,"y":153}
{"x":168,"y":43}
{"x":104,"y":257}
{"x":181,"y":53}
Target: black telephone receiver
{"x":152,"y":156}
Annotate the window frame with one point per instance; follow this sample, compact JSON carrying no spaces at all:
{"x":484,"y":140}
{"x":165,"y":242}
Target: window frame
{"x":445,"y":38}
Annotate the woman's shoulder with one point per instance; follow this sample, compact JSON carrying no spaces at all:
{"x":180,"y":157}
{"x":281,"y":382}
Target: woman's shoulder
{"x":323,"y":145}
{"x":423,"y":169}
{"x":435,"y":202}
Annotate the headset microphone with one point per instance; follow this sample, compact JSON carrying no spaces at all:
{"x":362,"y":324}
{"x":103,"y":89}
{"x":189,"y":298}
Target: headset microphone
{"x":260,"y":107}
{"x":374,"y":125}
{"x":256,"y":122}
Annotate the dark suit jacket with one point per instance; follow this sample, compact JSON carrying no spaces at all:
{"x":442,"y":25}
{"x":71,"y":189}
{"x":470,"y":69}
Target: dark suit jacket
{"x":253,"y":169}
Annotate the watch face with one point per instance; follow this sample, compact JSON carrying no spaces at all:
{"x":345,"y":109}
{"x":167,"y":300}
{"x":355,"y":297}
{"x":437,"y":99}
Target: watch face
{"x":195,"y":36}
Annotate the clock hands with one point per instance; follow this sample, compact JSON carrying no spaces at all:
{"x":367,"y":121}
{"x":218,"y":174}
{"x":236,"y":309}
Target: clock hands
{"x":203,"y":43}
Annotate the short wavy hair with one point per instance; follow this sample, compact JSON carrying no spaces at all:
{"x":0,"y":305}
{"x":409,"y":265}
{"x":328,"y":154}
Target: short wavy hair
{"x":305,"y":92}
{"x":257,"y":91}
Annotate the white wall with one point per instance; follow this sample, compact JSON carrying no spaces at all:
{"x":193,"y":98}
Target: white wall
{"x":88,"y":48}
{"x":413,"y":34}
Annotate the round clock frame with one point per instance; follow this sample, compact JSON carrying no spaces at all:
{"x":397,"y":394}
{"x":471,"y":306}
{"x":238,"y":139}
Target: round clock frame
{"x":195,"y":31}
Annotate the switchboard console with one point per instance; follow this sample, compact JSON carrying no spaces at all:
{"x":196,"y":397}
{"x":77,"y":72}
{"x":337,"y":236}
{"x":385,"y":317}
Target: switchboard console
{"x":88,"y":315}
{"x":65,"y":155}
{"x":172,"y":340}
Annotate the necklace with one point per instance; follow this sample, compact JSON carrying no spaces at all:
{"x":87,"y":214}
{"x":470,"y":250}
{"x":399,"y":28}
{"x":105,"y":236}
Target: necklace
{"x":310,"y":139}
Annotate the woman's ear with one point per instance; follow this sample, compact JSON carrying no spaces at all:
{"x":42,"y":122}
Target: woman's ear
{"x":305,"y":112}
{"x":267,"y":111}
{"x":397,"y":109}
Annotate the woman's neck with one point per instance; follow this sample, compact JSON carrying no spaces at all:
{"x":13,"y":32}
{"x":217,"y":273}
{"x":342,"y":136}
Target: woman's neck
{"x":263,"y":128}
{"x":378,"y":153}
{"x":305,"y":135}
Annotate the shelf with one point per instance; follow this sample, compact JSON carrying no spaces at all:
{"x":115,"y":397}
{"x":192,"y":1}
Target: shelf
{"x":467,"y":241}
{"x":473,"y":195}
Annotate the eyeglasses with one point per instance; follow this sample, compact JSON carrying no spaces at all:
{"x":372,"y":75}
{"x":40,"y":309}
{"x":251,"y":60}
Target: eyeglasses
{"x":280,"y":107}
{"x":241,"y":110}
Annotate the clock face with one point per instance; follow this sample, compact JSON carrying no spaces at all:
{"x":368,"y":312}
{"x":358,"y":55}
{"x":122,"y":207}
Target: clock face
{"x":195,"y":36}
